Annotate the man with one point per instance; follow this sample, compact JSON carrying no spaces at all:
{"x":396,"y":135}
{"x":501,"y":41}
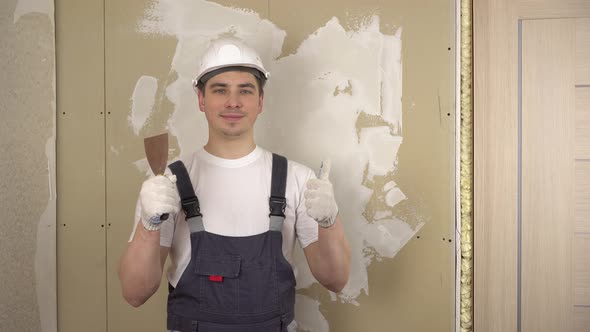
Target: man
{"x":230,"y":258}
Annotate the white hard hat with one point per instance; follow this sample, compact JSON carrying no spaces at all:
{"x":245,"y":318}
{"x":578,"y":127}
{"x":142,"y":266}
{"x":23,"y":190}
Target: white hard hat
{"x":229,"y":52}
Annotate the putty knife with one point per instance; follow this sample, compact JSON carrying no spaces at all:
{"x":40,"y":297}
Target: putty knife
{"x":156,"y":151}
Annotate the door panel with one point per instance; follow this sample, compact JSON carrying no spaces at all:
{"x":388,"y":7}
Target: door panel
{"x":582,"y":270}
{"x":582,"y":213}
{"x":582,"y":51}
{"x":581,"y":245}
{"x":583,"y":122}
{"x":548,"y":109}
{"x":581,"y":319}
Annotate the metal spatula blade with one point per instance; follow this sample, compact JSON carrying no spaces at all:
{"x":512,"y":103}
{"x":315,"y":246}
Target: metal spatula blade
{"x":156,"y":151}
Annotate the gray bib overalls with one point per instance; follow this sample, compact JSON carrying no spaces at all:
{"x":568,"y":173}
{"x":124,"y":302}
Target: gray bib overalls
{"x":234,"y":284}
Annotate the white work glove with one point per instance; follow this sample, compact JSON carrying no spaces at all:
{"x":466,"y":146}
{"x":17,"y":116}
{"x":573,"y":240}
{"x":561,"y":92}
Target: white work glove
{"x":319,"y":198}
{"x":158,"y":196}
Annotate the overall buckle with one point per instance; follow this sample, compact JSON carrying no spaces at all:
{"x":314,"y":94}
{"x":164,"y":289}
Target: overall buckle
{"x":277,"y":206}
{"x":191,"y":207}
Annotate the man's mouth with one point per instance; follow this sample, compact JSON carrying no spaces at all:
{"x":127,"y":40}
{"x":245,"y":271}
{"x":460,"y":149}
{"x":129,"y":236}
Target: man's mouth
{"x":232,"y":116}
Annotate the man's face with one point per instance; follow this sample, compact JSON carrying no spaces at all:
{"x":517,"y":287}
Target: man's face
{"x":231,"y":103}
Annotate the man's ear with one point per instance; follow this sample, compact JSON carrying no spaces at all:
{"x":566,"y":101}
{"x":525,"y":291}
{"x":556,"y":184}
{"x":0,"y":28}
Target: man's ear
{"x":201,"y":98}
{"x":260,"y":103}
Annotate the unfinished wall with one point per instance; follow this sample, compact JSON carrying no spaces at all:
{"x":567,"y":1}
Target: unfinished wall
{"x":27,"y":184}
{"x":370,"y":86}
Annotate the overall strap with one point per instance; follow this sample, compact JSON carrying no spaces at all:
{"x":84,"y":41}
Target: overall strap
{"x":277,"y":201}
{"x":189,"y":201}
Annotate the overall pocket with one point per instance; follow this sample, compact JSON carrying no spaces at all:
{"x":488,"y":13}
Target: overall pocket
{"x":258,"y":291}
{"x":218,"y":280}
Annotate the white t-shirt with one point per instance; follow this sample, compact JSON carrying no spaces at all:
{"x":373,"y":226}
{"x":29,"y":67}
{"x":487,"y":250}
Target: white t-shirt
{"x":233,"y":196}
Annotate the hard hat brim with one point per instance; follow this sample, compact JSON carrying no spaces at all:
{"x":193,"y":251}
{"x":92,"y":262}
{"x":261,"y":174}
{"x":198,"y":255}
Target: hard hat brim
{"x":263,"y":74}
{"x":254,"y":70}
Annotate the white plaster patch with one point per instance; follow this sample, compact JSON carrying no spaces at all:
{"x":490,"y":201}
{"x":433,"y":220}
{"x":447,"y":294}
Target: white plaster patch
{"x":303,"y":120}
{"x":394,"y":196}
{"x":45,"y":259}
{"x":309,"y":311}
{"x":114,"y":150}
{"x":382,"y":148}
{"x":24,"y":7}
{"x":142,"y":102}
{"x":382,"y":214}
{"x":391,"y":80}
{"x":143,"y":167}
{"x":388,"y":236}
{"x":389,"y":185}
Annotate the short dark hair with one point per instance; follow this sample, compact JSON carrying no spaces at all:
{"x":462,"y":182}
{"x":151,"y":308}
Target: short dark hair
{"x":255,"y":72}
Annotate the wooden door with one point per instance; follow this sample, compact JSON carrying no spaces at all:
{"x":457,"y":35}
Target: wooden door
{"x":532,"y":166}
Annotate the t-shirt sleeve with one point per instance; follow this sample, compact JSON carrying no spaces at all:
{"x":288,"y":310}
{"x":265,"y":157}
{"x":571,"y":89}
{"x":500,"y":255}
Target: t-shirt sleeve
{"x":306,"y":227}
{"x":166,"y":230}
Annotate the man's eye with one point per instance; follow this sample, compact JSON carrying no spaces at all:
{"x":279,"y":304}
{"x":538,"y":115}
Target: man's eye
{"x":246,"y":92}
{"x":219,"y":91}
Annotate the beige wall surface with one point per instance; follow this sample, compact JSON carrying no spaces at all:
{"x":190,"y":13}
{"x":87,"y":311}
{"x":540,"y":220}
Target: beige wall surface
{"x":370,"y":86}
{"x":27,"y":184}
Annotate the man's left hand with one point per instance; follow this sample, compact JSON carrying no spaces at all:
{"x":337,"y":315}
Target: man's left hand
{"x":319,"y":198}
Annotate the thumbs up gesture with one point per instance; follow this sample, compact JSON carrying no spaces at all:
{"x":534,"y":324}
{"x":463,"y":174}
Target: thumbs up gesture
{"x":319,"y":197}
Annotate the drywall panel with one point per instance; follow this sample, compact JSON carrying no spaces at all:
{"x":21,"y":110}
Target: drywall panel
{"x":368,"y":85}
{"x":27,"y":185}
{"x":81,"y":171}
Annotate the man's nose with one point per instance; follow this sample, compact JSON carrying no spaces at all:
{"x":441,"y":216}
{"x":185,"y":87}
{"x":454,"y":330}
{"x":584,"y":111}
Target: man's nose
{"x":233,"y":101}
